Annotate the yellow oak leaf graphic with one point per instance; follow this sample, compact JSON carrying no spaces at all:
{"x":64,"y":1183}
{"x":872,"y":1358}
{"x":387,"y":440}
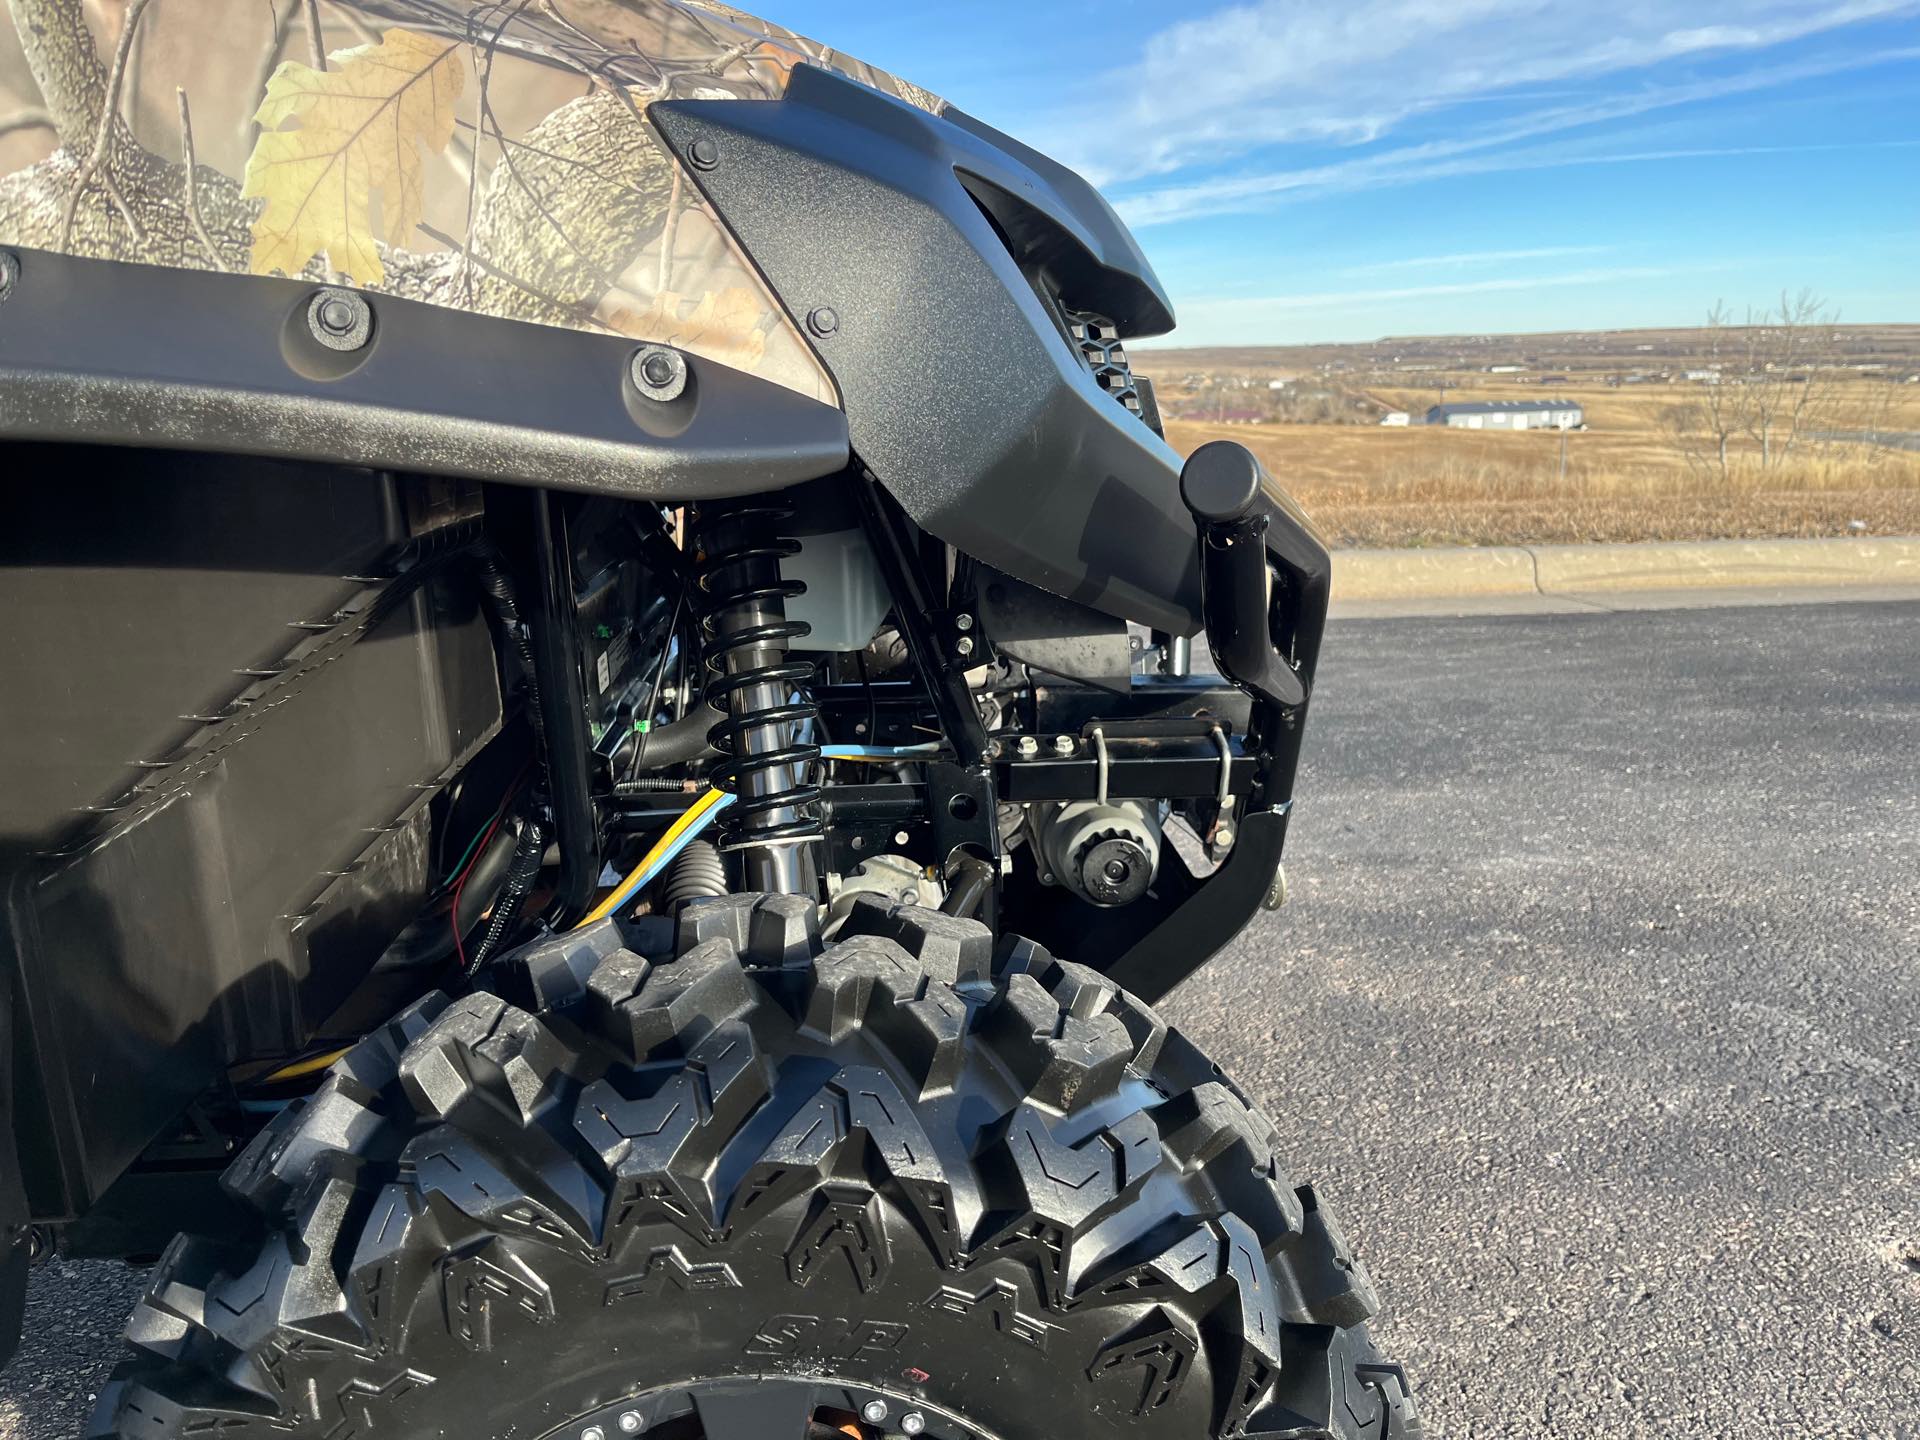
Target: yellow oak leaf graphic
{"x":357,"y":132}
{"x":723,"y":317}
{"x":725,"y":325}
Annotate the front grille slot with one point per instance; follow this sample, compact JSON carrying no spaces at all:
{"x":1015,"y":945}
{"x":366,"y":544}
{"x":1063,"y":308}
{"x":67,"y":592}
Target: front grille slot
{"x":1098,"y":341}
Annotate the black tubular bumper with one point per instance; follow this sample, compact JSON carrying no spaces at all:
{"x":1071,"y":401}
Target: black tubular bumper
{"x":926,"y":257}
{"x":1267,"y":576}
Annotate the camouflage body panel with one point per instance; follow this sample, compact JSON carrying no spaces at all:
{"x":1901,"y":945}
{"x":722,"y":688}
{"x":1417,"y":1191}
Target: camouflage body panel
{"x":492,"y":157}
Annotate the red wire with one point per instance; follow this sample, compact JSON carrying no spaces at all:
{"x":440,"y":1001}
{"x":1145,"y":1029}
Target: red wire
{"x":459,"y":949}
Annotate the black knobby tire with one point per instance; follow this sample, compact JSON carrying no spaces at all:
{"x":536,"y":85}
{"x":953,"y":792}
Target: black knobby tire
{"x":971,"y":1185}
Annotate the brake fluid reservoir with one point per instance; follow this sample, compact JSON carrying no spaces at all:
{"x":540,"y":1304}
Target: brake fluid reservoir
{"x":845,"y":598}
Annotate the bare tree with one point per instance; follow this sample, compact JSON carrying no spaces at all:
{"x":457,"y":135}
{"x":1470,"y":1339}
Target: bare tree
{"x":1792,"y":374}
{"x":1772,"y":380}
{"x":1725,"y":402}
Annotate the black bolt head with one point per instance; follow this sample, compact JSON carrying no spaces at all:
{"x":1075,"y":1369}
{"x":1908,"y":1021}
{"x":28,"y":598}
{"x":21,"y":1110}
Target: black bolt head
{"x":336,"y":316}
{"x":339,"y":319}
{"x":658,"y":373}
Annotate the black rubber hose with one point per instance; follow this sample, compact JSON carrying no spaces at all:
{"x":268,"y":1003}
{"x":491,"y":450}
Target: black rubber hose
{"x":682,"y":741}
{"x":506,"y":910}
{"x":502,"y":599}
{"x":971,"y":878}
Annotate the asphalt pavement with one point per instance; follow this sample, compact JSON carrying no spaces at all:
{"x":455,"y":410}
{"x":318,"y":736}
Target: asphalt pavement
{"x":1596,"y":1013}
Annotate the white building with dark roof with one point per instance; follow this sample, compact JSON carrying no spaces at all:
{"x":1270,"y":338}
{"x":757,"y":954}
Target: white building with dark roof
{"x":1509,"y":415}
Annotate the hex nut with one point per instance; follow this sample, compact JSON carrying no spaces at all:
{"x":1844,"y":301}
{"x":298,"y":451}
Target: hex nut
{"x":963,"y":622}
{"x":1029,"y":747}
{"x":339,"y":319}
{"x":658,"y":372}
{"x":1064,"y":745}
{"x":963,"y":647}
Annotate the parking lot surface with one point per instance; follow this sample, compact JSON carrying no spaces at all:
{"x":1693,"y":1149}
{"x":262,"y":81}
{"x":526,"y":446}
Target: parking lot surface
{"x":1597,"y":1013}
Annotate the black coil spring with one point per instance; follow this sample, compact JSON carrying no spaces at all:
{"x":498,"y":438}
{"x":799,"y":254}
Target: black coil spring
{"x":735,"y":573}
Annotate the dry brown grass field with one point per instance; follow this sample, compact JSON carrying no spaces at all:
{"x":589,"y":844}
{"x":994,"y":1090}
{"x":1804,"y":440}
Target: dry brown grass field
{"x":1628,"y":476}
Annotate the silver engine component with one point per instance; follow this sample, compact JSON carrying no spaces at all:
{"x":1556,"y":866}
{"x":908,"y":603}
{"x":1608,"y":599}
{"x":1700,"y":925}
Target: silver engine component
{"x":892,"y":877}
{"x":1106,"y":854}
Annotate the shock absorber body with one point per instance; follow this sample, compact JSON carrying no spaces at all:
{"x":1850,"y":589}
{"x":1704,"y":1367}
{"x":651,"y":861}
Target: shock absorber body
{"x":767,"y":739}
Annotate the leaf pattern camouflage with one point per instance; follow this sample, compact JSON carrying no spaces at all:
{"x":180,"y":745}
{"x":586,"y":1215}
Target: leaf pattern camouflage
{"x":494,"y":157}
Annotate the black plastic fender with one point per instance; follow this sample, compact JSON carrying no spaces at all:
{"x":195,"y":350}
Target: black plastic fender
{"x":108,"y":353}
{"x":908,"y":247}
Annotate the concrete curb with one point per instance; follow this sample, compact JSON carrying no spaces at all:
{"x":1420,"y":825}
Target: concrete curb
{"x":1489,"y":570}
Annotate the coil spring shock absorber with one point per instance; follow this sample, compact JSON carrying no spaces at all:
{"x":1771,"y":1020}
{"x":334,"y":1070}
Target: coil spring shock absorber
{"x":766,"y":738}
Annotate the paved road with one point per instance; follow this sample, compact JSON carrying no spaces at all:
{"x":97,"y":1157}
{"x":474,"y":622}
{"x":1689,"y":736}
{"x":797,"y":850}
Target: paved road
{"x":1595,"y":1011}
{"x":1598,"y":1013}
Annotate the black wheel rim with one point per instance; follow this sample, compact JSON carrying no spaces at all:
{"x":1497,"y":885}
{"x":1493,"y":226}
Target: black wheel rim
{"x":768,"y":1408}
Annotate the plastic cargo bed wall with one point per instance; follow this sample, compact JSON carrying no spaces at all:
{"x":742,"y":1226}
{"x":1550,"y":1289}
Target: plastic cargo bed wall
{"x":223,"y":718}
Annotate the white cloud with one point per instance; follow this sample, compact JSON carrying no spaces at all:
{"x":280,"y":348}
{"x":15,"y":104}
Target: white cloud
{"x":1255,"y":74}
{"x":1473,"y":258}
{"x":1489,"y":152}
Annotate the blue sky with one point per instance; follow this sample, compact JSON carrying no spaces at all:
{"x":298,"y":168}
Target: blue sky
{"x":1303,"y":170}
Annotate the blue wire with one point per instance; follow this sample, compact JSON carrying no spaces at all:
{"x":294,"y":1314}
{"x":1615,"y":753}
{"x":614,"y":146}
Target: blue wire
{"x":877,"y":752}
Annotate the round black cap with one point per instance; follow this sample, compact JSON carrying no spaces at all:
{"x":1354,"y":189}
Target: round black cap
{"x":1221,"y":481}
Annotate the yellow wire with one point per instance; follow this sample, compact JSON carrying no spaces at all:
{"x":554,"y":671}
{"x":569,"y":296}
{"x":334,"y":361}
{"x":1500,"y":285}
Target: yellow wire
{"x":305,"y":1067}
{"x":686,"y":822}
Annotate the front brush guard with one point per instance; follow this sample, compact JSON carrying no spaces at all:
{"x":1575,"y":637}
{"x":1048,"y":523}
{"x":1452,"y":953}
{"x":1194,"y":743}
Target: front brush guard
{"x":1266,"y":577}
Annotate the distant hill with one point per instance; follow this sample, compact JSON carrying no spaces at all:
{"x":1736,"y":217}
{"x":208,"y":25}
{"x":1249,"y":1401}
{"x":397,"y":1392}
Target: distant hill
{"x":1896,"y":346}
